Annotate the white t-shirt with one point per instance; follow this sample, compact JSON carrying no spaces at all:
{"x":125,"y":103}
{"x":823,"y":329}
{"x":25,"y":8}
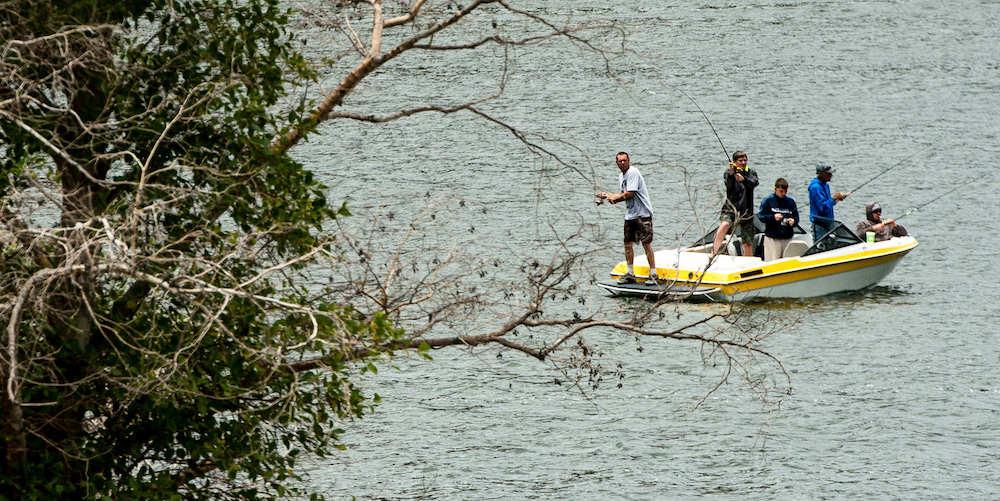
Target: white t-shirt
{"x":639,"y":205}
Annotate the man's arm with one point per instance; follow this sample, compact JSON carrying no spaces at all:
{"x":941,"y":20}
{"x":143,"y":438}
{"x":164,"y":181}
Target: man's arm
{"x":618,"y":197}
{"x":615,"y":197}
{"x":763,"y":214}
{"x":729,"y":180}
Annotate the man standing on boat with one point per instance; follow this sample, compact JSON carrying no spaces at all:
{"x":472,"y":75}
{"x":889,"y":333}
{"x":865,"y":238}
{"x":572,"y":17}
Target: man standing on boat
{"x":638,"y":215}
{"x":779,"y":213}
{"x":737,"y":210}
{"x":821,"y":202}
{"x":883,"y":229}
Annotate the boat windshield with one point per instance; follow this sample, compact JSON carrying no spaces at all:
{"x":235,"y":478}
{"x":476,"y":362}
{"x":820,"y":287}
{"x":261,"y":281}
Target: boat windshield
{"x":839,"y":236}
{"x":759,"y":226}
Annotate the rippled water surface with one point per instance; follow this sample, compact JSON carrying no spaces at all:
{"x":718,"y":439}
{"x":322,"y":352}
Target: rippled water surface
{"x":895,"y":389}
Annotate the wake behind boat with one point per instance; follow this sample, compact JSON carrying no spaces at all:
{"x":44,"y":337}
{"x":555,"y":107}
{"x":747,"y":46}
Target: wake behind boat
{"x":839,"y":261}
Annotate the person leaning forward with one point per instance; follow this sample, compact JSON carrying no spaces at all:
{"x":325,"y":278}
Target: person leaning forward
{"x":884,"y":229}
{"x":638,"y":215}
{"x":779,"y":214}
{"x":737,"y":210}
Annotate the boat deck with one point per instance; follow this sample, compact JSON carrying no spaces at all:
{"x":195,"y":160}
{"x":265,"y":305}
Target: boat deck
{"x":683,"y":259}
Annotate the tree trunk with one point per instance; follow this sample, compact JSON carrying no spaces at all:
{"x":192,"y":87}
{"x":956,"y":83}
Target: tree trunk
{"x":14,"y":445}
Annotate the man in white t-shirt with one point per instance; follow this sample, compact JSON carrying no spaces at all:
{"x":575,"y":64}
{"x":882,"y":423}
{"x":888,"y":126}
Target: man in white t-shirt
{"x":638,"y":215}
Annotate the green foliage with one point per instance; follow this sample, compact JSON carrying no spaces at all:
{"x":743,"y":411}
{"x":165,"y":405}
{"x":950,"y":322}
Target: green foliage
{"x":163,"y":394}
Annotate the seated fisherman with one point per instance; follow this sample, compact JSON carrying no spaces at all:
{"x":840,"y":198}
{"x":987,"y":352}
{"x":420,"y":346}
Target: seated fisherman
{"x":884,"y":229}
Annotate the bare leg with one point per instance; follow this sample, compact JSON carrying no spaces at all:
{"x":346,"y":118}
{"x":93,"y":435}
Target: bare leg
{"x":747,"y":249}
{"x":629,"y":255}
{"x":650,"y":258}
{"x":720,"y":235}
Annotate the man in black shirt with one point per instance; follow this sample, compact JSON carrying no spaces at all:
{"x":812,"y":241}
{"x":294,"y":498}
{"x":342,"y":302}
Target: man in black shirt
{"x":737,"y":210}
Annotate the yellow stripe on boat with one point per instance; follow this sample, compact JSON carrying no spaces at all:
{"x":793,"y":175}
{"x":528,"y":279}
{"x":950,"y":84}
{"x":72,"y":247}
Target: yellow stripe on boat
{"x":763,"y":274}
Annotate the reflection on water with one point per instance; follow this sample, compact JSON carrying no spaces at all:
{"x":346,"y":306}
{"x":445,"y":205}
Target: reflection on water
{"x":885,"y":293}
{"x":875,"y":294}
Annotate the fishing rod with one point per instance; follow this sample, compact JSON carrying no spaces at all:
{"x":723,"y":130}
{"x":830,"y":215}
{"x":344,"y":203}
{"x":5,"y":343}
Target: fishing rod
{"x":649,"y":64}
{"x":700,"y":110}
{"x":935,"y":199}
{"x":883,"y":172}
{"x":703,"y":115}
{"x":880,"y":174}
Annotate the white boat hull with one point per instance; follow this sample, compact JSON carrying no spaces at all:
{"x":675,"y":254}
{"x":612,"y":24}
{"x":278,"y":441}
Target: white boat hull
{"x":692,"y":273}
{"x":839,"y":282}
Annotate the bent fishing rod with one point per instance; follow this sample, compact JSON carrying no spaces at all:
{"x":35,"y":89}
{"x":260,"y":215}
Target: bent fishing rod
{"x":703,"y":115}
{"x":656,"y":69}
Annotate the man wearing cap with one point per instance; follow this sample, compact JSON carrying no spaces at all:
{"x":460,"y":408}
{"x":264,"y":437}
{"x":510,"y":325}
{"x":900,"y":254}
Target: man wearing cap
{"x":737,"y":209}
{"x":884,"y":230}
{"x":638,"y":216}
{"x":821,"y":202}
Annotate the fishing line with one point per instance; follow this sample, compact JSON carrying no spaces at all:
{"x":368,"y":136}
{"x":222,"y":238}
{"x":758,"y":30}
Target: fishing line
{"x":693,"y":101}
{"x":897,"y":164}
{"x":700,"y":110}
{"x":935,"y":199}
{"x":663,"y":81}
{"x":649,"y":65}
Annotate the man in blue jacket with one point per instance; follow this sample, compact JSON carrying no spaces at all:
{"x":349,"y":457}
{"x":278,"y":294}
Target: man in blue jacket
{"x":779,"y":213}
{"x":821,"y":202}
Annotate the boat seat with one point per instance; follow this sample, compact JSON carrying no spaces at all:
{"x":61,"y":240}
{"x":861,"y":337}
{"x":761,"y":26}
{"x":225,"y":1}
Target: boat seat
{"x":795,"y":248}
{"x":734,"y":248}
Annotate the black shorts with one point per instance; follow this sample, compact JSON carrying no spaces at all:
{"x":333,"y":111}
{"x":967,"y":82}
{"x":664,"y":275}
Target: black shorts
{"x":742,"y":226}
{"x":639,"y":230}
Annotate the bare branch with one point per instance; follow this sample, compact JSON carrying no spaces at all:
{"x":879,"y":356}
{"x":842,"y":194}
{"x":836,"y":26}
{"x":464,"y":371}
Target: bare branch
{"x":376,"y":48}
{"x":336,"y":97}
{"x":405,"y":18}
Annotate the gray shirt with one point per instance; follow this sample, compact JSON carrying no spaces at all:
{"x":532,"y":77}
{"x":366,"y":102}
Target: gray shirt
{"x":639,"y":205}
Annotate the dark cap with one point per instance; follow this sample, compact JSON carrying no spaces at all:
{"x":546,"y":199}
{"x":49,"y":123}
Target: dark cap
{"x":820,"y":168}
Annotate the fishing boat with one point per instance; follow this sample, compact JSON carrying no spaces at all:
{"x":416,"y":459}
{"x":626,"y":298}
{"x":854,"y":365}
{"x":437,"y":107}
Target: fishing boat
{"x":839,"y":261}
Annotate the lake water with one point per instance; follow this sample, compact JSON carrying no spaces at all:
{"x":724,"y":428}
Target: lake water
{"x":895,"y":390}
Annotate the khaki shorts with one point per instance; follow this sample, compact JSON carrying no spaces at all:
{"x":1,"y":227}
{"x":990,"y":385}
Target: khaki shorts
{"x":743,"y":228}
{"x":639,"y":230}
{"x":774,"y":248}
